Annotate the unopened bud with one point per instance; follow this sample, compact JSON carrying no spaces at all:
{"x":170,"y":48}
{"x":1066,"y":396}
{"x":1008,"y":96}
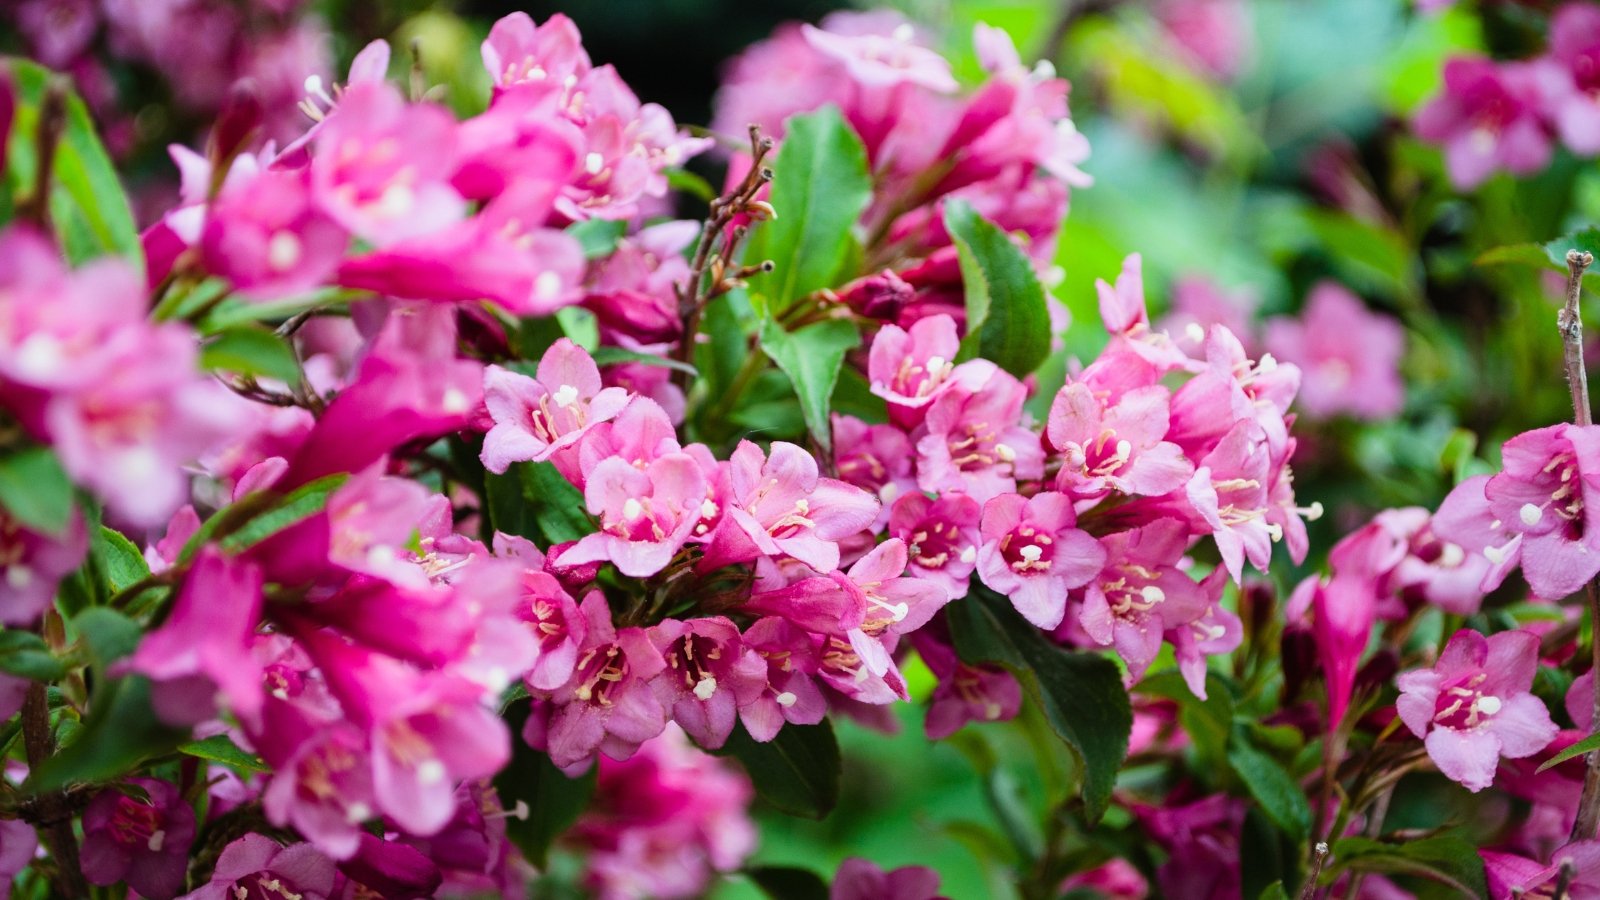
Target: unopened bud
{"x":760,"y":210}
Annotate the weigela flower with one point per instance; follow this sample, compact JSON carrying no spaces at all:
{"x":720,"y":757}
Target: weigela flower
{"x":645,"y":514}
{"x":1034,"y":555}
{"x":1474,"y":705}
{"x":941,"y":536}
{"x":265,"y":236}
{"x":1575,"y":50}
{"x":1510,"y":875}
{"x":1229,"y":491}
{"x":790,"y":693}
{"x":860,"y":879}
{"x":708,"y":676}
{"x":32,"y":563}
{"x":1488,"y":117}
{"x":876,"y":458}
{"x":1115,"y":447}
{"x":141,"y":840}
{"x":258,"y":866}
{"x":535,"y":418}
{"x":1350,"y":357}
{"x":910,"y":369}
{"x":965,"y":693}
{"x":1140,"y":593}
{"x":975,"y":443}
{"x":1122,"y":309}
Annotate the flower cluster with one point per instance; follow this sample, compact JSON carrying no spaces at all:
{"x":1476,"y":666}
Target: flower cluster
{"x":1495,"y":115}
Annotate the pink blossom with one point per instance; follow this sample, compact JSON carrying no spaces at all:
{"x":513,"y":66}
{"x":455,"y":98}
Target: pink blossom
{"x":201,"y":653}
{"x":633,"y":290}
{"x":520,"y":52}
{"x":883,"y":61}
{"x":1539,"y":511}
{"x":776,"y":504}
{"x":861,"y":670}
{"x":1350,"y":357}
{"x":1140,"y":593}
{"x":264,"y":235}
{"x":975,"y":442}
{"x":1575,"y":51}
{"x":790,"y":693}
{"x":1488,"y":117}
{"x":1474,"y":705}
{"x":1034,"y":555}
{"x":550,"y":612}
{"x":535,"y":418}
{"x":1198,"y":303}
{"x":1229,"y":492}
{"x":709,"y":675}
{"x":875,"y":458}
{"x":389,"y":868}
{"x":910,"y":369}
{"x":255,"y":864}
{"x":1119,"y":446}
{"x":1344,"y":614}
{"x":1512,"y":876}
{"x":1115,"y":879}
{"x":1215,"y":632}
{"x":521,"y":145}
{"x":942,"y":538}
{"x":321,"y":783}
{"x":1122,"y":309}
{"x":860,"y":879}
{"x":965,"y":693}
{"x":646,"y":514}
{"x":1213,"y":36}
{"x":142,"y":841}
{"x":32,"y":563}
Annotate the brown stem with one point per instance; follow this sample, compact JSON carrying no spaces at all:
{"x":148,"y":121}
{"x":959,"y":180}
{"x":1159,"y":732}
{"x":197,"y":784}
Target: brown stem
{"x":1319,"y":856}
{"x":52,"y":813}
{"x":52,"y":120}
{"x":1570,"y":322}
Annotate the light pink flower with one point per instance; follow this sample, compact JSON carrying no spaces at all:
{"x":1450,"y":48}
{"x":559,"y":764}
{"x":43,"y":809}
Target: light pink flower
{"x":32,"y":563}
{"x":520,"y":52}
{"x":1474,"y":705}
{"x":1140,"y":593}
{"x":1574,"y":51}
{"x":646,"y":514}
{"x":776,"y":504}
{"x":1115,"y":447}
{"x":1034,"y":555}
{"x":942,"y":538}
{"x":1488,"y":117}
{"x":1350,"y":357}
{"x":975,"y":442}
{"x":535,"y":418}
{"x":1229,"y":492}
{"x":910,"y":369}
{"x":709,"y":675}
{"x":1122,"y":309}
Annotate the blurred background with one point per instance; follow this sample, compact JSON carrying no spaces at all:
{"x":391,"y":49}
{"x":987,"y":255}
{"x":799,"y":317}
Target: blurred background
{"x":1255,"y":153}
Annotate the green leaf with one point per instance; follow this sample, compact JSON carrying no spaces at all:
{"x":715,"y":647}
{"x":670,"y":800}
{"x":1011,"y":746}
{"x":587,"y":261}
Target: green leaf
{"x":35,"y":491}
{"x":1372,"y":256}
{"x":686,"y":182}
{"x":820,"y":187}
{"x":598,"y":237}
{"x":219,"y":748}
{"x":24,"y":653}
{"x":1590,"y":743}
{"x":553,"y":801}
{"x":788,"y":882}
{"x":251,"y":350}
{"x":122,"y":731}
{"x":797,"y":771}
{"x":120,"y":561}
{"x":811,"y":357}
{"x":296,"y":506}
{"x":1549,"y":255}
{"x":1281,"y":798}
{"x":1081,"y":693}
{"x":535,"y":501}
{"x":609,"y":356}
{"x":1449,"y":860}
{"x":109,"y":635}
{"x":1007,"y":320}
{"x":88,"y":208}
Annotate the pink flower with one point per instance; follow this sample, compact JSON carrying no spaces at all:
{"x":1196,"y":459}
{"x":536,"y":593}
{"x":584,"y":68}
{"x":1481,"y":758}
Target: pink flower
{"x":1350,"y":357}
{"x":1213,"y":36}
{"x":632,"y":291}
{"x":255,"y":865}
{"x":777,"y":505}
{"x":942,"y":538}
{"x":1344,"y":615}
{"x":860,"y":879}
{"x":1229,"y":492}
{"x":1575,"y":50}
{"x":144,"y":842}
{"x":883,"y":61}
{"x":1215,"y":632}
{"x":1115,"y":447}
{"x":520,"y":52}
{"x":1140,"y":593}
{"x":875,"y":458}
{"x":1474,"y":705}
{"x":910,"y":369}
{"x":550,"y":612}
{"x":32,"y":563}
{"x":790,"y":693}
{"x":1034,"y":555}
{"x":1488,"y":117}
{"x":535,"y":418}
{"x":1540,"y":511}
{"x":709,"y":675}
{"x":645,"y":514}
{"x":201,"y":653}
{"x":265,"y":236}
{"x":965,"y":693}
{"x":1198,"y":303}
{"x":322,"y":779}
{"x":382,"y":166}
{"x":975,"y":443}
{"x":1122,"y":309}
{"x":1513,"y":876}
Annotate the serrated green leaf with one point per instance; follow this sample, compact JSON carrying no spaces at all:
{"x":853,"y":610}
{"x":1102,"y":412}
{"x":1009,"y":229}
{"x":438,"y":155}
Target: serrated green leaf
{"x":88,"y":207}
{"x":24,"y":653}
{"x":788,"y":882}
{"x":121,"y":732}
{"x":552,"y":800}
{"x":251,"y":350}
{"x":1081,"y":693}
{"x":1281,"y":798}
{"x":1008,"y":322}
{"x":120,"y":561}
{"x":811,"y":357}
{"x":797,"y":771}
{"x":109,"y":635}
{"x":35,"y":490}
{"x":296,"y":506}
{"x":219,"y":748}
{"x":534,"y":500}
{"x":610,"y":356}
{"x":1449,"y":860}
{"x":820,"y":188}
{"x":1588,"y":744}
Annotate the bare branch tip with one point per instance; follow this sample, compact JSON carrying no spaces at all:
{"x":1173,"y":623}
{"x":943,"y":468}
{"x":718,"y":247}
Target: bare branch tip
{"x":1579,"y":259}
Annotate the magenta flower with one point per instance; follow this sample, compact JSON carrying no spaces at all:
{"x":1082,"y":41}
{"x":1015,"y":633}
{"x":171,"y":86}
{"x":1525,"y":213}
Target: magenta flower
{"x":258,"y":866}
{"x":975,"y":441}
{"x":1488,"y":117}
{"x":1217,"y":631}
{"x":382,"y":166}
{"x":550,"y":613}
{"x":1115,"y":447}
{"x":1349,"y":357}
{"x":875,"y":458}
{"x":910,"y":369}
{"x":1575,"y":52}
{"x":535,"y":418}
{"x":1344,"y":614}
{"x":520,"y":52}
{"x":941,"y":536}
{"x":1122,"y":309}
{"x":1541,"y":510}
{"x":860,"y":879}
{"x":709,"y":675}
{"x":965,"y":693}
{"x":790,"y":693}
{"x":1474,"y":705}
{"x":1516,"y":876}
{"x":608,"y":705}
{"x":265,"y":236}
{"x":143,"y":841}
{"x":1140,"y":593}
{"x":631,"y":292}
{"x":322,"y":779}
{"x":776,"y":504}
{"x":1229,"y":491}
{"x":1034,"y":555}
{"x":201,"y":653}
{"x":645,"y":514}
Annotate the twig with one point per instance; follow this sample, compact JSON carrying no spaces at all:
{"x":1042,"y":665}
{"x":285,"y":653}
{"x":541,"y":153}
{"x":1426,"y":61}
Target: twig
{"x":1570,"y":322}
{"x":1319,"y":856}
{"x":52,"y":811}
{"x":52,"y":120}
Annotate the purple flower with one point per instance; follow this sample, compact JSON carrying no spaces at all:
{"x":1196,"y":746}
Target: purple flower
{"x":143,"y":841}
{"x":1349,"y":357}
{"x":860,"y":879}
{"x":1474,"y":705}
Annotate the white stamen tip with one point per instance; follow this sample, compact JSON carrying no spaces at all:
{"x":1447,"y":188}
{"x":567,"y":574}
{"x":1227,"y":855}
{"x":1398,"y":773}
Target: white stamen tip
{"x":521,"y":811}
{"x":1005,"y":453}
{"x":156,"y":840}
{"x":566,"y":395}
{"x":1489,"y":705}
{"x":358,"y":812}
{"x":1031,"y":553}
{"x":455,"y":401}
{"x":632,"y":509}
{"x":899,"y":611}
{"x":313,"y":84}
{"x":802,"y":506}
{"x":1195,"y":332}
{"x":705,"y":688}
{"x":936,"y":365}
{"x":904,"y":32}
{"x":1530,"y":514}
{"x":1152,"y":594}
{"x":283,"y":251}
{"x":593,"y":163}
{"x":969,"y":555}
{"x":787,"y":699}
{"x":1268,"y":363}
{"x":707,"y":509}
{"x":1451,"y":555}
{"x":430,"y":771}
{"x":546,"y":285}
{"x":19,"y":576}
{"x":1314,"y":511}
{"x":1496,"y":555}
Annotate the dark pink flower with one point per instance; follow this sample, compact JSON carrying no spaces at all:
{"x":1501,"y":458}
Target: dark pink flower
{"x":32,"y":563}
{"x":1474,"y":705}
{"x":1488,"y":117}
{"x":1034,"y":555}
{"x":860,"y":879}
{"x":143,"y":841}
{"x":1140,"y":593}
{"x":535,"y":418}
{"x":608,"y":705}
{"x":1575,"y":52}
{"x":1349,"y":357}
{"x":790,"y":693}
{"x":550,"y":612}
{"x":875,"y":458}
{"x":1512,"y":876}
{"x":1344,"y":614}
{"x":709,"y":675}
{"x":256,"y":866}
{"x":965,"y":693}
{"x":942,"y":538}
{"x":264,"y":235}
{"x":322,"y":779}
